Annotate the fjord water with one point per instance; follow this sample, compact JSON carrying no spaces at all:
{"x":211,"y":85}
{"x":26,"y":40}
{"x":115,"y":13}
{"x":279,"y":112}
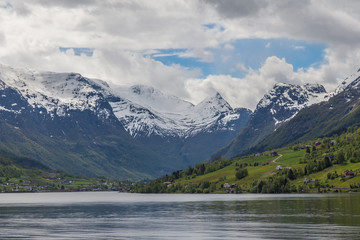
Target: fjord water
{"x":111,"y":215}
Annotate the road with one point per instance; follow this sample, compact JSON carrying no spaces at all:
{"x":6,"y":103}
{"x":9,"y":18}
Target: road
{"x":274,"y":160}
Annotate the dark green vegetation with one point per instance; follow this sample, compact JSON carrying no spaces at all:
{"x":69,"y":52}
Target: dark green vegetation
{"x":21,"y":174}
{"x":322,"y":165}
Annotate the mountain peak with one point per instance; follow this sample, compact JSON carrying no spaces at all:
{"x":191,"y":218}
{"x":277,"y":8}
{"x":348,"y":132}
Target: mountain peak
{"x":217,"y":95}
{"x":215,"y":101}
{"x":353,"y":81}
{"x":57,"y":93}
{"x":293,"y":96}
{"x":280,"y":84}
{"x":314,"y":88}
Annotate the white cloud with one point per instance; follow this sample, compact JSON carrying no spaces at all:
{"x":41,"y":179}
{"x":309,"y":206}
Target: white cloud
{"x":120,"y":32}
{"x":247,"y":91}
{"x":123,"y":33}
{"x":243,"y":92}
{"x":122,"y":68}
{"x":129,"y":25}
{"x":202,"y":54}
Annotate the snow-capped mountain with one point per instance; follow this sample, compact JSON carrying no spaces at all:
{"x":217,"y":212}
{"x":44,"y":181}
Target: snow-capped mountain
{"x":146,"y":111}
{"x":278,"y":106}
{"x":353,"y":81}
{"x":86,"y":126}
{"x":142,"y":110}
{"x":54,"y":93}
{"x":285,"y":100}
{"x":334,"y":116}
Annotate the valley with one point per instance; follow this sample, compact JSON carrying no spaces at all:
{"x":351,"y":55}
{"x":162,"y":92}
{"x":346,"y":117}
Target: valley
{"x":87,"y":127}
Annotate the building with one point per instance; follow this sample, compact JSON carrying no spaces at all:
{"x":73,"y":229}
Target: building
{"x":274,"y":154}
{"x":349,"y":174}
{"x":226,"y":185}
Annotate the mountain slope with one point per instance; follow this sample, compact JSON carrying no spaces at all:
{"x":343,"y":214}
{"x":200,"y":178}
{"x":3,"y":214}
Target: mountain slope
{"x":323,"y":119}
{"x":65,"y":121}
{"x":322,"y":167}
{"x":281,"y":104}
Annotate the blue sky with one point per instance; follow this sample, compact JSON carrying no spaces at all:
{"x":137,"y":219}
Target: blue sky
{"x":228,"y":58}
{"x":250,"y":53}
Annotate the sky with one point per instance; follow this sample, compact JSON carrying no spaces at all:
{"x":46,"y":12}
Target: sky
{"x":187,"y":48}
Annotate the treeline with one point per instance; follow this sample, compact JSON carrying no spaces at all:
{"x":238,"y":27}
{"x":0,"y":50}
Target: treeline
{"x":165,"y":184}
{"x":159,"y":187}
{"x":14,"y":167}
{"x":198,"y":170}
{"x":7,"y":170}
{"x":10,"y":172}
{"x":277,"y":184}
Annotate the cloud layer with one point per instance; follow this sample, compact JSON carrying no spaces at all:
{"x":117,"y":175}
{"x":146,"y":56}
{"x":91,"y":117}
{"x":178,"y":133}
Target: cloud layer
{"x":123,"y":34}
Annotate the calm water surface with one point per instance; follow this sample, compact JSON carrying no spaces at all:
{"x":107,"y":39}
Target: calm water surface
{"x":111,"y":215}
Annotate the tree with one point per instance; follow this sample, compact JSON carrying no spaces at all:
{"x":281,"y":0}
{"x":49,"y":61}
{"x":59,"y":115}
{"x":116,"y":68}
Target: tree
{"x":327,"y":162}
{"x":189,"y":171}
{"x":241,"y":173}
{"x":202,"y":168}
{"x":313,"y":148}
{"x":291,"y":175}
{"x":340,"y":157}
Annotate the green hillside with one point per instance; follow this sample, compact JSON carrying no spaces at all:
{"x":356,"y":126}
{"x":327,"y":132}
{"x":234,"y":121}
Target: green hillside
{"x":318,"y":165}
{"x":21,"y":174}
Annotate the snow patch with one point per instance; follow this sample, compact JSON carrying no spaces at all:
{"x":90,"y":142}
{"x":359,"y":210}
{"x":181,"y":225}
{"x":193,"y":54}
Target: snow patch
{"x":149,"y":111}
{"x":57,"y":93}
{"x":9,"y":110}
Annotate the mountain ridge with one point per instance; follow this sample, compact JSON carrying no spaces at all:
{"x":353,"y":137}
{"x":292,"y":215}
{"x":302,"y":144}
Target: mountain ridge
{"x":181,"y":118}
{"x":334,"y":116}
{"x":277,"y":106}
{"x":72,"y":123}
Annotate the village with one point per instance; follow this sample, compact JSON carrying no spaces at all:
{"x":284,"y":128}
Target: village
{"x":60,"y":185}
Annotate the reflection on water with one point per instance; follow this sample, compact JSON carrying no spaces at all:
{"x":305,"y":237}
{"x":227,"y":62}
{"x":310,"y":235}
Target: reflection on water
{"x":135,"y":216}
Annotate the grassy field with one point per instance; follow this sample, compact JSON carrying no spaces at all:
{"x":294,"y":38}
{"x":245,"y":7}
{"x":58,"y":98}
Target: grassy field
{"x":264,"y":167}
